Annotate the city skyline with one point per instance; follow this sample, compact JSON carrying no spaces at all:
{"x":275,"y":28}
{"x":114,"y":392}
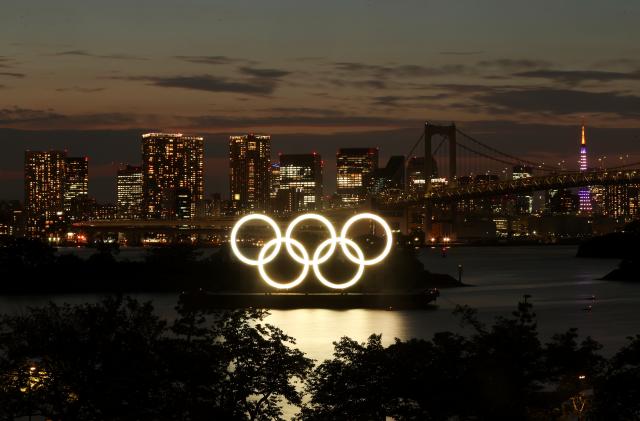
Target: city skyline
{"x":356,"y":75}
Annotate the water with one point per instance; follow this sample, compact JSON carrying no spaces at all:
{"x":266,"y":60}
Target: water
{"x":559,"y":285}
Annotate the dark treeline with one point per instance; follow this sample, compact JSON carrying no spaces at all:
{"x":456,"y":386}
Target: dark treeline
{"x":178,"y":268}
{"x":117,"y":360}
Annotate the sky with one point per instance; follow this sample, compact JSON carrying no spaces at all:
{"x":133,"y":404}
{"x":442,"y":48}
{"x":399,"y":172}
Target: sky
{"x":91,"y":76}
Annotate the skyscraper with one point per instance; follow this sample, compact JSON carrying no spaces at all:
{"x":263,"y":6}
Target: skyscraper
{"x":416,"y":181}
{"x":621,"y":201}
{"x":301,"y":181}
{"x":585,"y":192}
{"x":76,"y":188}
{"x":523,"y":202}
{"x":389,"y":179}
{"x":353,"y":167}
{"x":44,"y":182}
{"x":274,"y":179}
{"x":249,"y":172}
{"x":172,"y":163}
{"x":129,"y":187}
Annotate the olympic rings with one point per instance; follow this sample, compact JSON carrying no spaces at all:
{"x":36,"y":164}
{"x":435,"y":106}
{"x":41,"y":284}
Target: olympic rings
{"x":302,"y":255}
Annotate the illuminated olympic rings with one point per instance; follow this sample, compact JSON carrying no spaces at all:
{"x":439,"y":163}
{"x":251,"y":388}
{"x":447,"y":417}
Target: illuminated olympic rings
{"x":299,"y":253}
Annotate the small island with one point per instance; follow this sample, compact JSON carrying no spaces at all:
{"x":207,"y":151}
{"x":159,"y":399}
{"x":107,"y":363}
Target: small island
{"x":182,"y":270}
{"x":624,"y":244}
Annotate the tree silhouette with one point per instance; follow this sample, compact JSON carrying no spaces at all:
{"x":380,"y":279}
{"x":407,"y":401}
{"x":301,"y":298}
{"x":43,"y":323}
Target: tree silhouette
{"x":117,"y":360}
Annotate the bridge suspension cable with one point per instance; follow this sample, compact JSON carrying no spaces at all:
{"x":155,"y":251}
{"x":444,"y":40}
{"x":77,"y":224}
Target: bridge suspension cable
{"x":617,"y":167}
{"x":484,"y":155}
{"x":516,"y":160}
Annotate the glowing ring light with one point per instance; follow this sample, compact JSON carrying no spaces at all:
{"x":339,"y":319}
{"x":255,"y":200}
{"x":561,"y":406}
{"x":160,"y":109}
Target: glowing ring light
{"x":316,"y":264}
{"x":276,"y":243}
{"x":302,"y":255}
{"x":387,"y":231}
{"x":318,"y":218}
{"x":234,"y":234}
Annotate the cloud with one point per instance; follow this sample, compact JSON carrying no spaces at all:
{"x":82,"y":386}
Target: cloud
{"x":407,"y":100}
{"x":574,"y":77}
{"x":80,"y":89}
{"x":561,"y":101}
{"x":214,"y":60}
{"x":460,"y":53}
{"x":617,"y":62}
{"x":208,"y":83}
{"x":304,"y":111}
{"x":85,"y":53}
{"x":299,"y":120}
{"x":14,"y":115}
{"x":35,"y":118}
{"x":264,"y":73}
{"x":513,"y":64}
{"x":12,"y":74}
{"x":5,"y":62}
{"x":404,"y":70}
{"x":463,"y":88}
{"x":365,"y":84}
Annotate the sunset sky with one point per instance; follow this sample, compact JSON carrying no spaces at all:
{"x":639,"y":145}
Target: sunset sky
{"x":91,"y":76}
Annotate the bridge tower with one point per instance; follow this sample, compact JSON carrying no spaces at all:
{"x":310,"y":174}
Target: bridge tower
{"x":449,"y":133}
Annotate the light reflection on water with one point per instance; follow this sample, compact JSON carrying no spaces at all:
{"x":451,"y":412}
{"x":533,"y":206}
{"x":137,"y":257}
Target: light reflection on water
{"x":560,"y":286}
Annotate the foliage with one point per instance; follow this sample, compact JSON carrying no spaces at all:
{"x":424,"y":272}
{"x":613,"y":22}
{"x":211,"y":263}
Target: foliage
{"x":180,"y":268}
{"x":117,"y":360}
{"x":501,"y":372}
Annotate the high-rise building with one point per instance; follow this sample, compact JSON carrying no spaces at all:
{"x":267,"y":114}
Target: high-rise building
{"x":129,"y":187}
{"x":44,"y":182}
{"x":523,"y":202}
{"x":389,"y":179}
{"x":585,"y":192}
{"x":353,"y":168}
{"x":416,"y":181}
{"x":11,"y":218}
{"x":249,"y":172}
{"x":172,"y":163}
{"x":621,"y":201}
{"x":561,"y":201}
{"x":274,"y":180}
{"x":76,"y":188}
{"x":103,"y":211}
{"x":301,"y":182}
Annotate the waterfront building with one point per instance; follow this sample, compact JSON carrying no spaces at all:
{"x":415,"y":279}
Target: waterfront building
{"x":621,"y":201}
{"x":300,"y":185}
{"x":523,"y":202}
{"x":249,"y":172}
{"x":561,"y":202}
{"x":172,"y":163}
{"x":388,"y":180}
{"x":44,"y":183}
{"x":129,"y":192}
{"x":353,"y":166}
{"x":11,"y":218}
{"x":416,"y":181}
{"x":76,"y":188}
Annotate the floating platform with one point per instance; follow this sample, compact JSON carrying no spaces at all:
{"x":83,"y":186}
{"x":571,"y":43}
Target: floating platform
{"x":291,"y":300}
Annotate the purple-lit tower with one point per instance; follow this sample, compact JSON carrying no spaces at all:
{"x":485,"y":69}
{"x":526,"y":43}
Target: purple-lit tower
{"x":585,"y":192}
